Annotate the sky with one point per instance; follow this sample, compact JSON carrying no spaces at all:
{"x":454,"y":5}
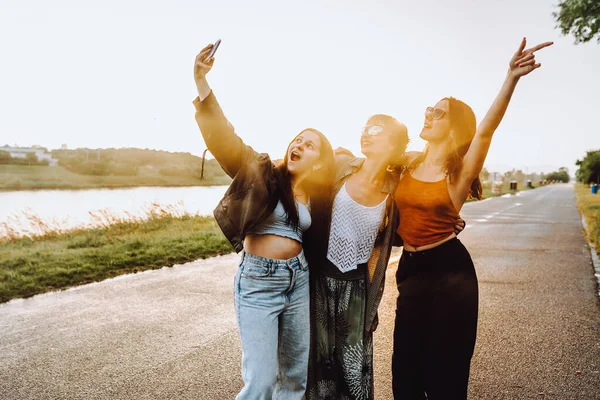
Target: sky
{"x":109,"y":73}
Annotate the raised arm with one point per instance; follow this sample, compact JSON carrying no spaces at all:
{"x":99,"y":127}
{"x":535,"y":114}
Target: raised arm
{"x":219,"y":135}
{"x":521,"y":64}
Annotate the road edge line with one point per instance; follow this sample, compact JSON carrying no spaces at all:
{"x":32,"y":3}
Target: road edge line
{"x":594,"y":254}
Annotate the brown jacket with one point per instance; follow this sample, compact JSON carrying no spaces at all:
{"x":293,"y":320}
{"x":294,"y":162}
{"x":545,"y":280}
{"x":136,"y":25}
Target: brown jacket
{"x":251,"y":197}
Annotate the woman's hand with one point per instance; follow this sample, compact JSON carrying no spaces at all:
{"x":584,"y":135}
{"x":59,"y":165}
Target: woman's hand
{"x":202,"y":66}
{"x":523,"y":62}
{"x":459,"y":225}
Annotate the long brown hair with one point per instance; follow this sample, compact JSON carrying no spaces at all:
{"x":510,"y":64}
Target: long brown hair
{"x":463,"y":126}
{"x":317,"y":185}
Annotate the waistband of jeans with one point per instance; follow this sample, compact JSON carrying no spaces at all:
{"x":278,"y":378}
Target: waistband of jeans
{"x":298,"y":261}
{"x":331,"y":271}
{"x":442,"y":248}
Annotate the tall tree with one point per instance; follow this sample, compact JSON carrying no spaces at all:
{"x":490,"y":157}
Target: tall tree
{"x":581,"y":18}
{"x":589,"y":167}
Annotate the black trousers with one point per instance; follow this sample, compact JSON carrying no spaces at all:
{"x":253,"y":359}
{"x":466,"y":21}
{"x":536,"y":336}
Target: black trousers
{"x":436,"y":323}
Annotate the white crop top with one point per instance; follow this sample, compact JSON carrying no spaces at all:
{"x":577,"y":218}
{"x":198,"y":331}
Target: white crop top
{"x":353,"y":231}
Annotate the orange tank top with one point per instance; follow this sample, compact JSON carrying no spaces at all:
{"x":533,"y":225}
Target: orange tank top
{"x":427,"y":214}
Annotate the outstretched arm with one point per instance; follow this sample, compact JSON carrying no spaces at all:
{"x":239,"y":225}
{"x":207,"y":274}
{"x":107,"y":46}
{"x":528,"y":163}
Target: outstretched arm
{"x":219,"y":135}
{"x":521,"y":64}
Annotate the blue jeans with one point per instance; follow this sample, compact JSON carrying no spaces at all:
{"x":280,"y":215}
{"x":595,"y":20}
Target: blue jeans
{"x":272,"y":307}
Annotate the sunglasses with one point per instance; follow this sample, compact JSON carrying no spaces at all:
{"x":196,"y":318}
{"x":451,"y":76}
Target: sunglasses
{"x":373,"y":130}
{"x":434,"y":113}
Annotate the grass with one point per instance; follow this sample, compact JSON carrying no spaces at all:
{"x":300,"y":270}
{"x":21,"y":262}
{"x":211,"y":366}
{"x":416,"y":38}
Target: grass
{"x":57,"y":260}
{"x":589,"y":206}
{"x":24,"y":177}
{"x":45,"y":258}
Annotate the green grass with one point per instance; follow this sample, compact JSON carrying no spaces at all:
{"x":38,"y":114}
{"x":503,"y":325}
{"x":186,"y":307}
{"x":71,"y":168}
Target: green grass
{"x":589,"y":206}
{"x":23,"y":177}
{"x":29,"y":266}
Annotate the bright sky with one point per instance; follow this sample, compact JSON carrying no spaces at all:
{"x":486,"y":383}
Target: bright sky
{"x":119,"y":73}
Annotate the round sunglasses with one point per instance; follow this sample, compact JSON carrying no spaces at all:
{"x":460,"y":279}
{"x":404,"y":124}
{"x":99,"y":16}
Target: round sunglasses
{"x":434,"y":113}
{"x":373,"y":130}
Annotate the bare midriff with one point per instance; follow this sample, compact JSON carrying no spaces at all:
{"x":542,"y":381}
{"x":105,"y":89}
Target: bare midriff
{"x":272,"y":246}
{"x":409,"y":248}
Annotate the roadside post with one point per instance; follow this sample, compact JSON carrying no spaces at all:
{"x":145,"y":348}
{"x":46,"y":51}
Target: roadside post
{"x":496,"y":186}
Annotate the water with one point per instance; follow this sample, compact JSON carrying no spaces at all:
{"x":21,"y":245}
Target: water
{"x":70,"y":208}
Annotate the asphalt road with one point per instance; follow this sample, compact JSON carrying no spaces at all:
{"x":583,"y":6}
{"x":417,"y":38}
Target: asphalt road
{"x":171,"y":333}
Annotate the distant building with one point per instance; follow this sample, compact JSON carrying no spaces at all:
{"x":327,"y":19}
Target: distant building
{"x":64,"y":147}
{"x":40,"y":152}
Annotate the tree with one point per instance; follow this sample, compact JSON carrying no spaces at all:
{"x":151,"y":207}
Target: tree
{"x":519,"y":176}
{"x":484,"y":175}
{"x":589,"y":167}
{"x":581,"y":18}
{"x":561,"y":175}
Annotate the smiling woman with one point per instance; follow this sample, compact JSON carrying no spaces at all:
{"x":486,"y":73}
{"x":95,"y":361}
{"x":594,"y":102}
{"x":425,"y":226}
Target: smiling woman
{"x":303,"y":156}
{"x":347,"y":283}
{"x":265,"y":213}
{"x":437,"y":306}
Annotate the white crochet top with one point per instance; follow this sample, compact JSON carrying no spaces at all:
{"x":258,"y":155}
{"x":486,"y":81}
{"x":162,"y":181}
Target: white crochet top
{"x":353,"y":231}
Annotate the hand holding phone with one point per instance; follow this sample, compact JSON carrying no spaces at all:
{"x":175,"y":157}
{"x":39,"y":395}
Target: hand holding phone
{"x":202,"y":66}
{"x":213,"y":50}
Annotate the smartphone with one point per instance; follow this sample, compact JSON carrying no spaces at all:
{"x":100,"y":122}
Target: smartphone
{"x":213,"y":50}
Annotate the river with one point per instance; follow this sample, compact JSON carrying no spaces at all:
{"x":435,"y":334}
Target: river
{"x":67,"y":209}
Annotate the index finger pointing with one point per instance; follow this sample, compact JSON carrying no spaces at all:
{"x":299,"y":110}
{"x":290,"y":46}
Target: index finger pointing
{"x":521,"y":46}
{"x":539,"y":47}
